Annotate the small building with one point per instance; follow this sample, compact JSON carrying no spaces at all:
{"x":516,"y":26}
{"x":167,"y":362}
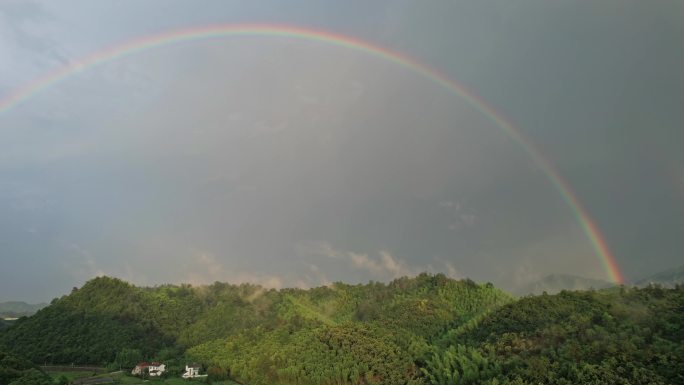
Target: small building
{"x":156,"y":369}
{"x":192,"y":371}
{"x":140,"y":369}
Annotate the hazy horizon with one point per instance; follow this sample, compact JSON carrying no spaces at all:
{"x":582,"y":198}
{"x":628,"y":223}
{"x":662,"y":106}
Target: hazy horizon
{"x":294,"y":163}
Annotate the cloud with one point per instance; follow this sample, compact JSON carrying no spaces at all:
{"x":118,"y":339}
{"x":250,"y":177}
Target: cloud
{"x":255,"y":155}
{"x":384,"y":266}
{"x":206,"y":269}
{"x":361,"y":261}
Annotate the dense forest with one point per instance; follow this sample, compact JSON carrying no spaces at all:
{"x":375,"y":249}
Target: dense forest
{"x":19,"y":371}
{"x":423,"y":330}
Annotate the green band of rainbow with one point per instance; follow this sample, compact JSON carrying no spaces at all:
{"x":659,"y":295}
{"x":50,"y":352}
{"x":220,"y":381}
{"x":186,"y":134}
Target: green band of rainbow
{"x":271,"y":30}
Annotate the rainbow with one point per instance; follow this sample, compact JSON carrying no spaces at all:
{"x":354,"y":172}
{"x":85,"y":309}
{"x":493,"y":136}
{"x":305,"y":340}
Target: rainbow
{"x":293,"y":32}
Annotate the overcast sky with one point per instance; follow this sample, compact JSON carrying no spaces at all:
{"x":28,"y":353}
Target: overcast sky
{"x":293,"y":163}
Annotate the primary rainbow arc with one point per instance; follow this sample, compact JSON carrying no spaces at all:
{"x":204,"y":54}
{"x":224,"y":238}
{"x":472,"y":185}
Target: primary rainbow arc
{"x":233,"y":30}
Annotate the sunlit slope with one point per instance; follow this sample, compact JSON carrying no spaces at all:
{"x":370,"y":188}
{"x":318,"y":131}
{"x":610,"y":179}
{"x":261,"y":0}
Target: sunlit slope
{"x":381,"y":337}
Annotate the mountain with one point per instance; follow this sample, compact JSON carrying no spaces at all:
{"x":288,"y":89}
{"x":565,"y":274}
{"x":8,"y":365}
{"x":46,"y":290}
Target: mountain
{"x":15,"y":309}
{"x":555,"y":283}
{"x":425,"y":330}
{"x":107,"y":321}
{"x":667,"y":278}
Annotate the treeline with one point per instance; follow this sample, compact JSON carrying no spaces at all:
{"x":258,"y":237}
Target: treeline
{"x":423,"y":330}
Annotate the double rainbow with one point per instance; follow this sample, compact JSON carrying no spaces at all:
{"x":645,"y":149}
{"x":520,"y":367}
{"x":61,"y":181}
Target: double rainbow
{"x":293,"y":32}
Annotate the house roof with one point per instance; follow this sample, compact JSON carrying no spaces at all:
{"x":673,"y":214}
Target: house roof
{"x":143,"y":364}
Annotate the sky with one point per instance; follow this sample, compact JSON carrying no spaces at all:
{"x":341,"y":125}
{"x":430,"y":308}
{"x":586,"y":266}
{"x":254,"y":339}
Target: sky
{"x":295,"y":163}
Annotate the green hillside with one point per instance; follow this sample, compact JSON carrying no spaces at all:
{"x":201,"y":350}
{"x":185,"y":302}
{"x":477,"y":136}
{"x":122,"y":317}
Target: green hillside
{"x":371,"y":334}
{"x":423,"y":330}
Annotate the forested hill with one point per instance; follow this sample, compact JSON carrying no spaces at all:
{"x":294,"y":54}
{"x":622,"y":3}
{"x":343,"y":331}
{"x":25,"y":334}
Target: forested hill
{"x":422,"y":330}
{"x":106,"y":315}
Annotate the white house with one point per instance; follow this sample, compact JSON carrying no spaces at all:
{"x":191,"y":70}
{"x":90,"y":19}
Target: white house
{"x":156,"y":369}
{"x":192,"y":371}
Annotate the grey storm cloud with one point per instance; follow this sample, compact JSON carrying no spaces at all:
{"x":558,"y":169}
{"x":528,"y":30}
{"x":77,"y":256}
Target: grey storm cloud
{"x":293,"y":163}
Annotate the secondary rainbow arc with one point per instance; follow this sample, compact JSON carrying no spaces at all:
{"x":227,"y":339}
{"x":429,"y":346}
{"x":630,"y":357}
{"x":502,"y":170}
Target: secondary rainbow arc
{"x":131,"y":47}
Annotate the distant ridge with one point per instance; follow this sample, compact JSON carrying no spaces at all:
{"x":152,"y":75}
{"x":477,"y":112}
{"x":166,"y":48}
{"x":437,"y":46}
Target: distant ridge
{"x":555,"y":283}
{"x":667,"y":278}
{"x":15,"y":309}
